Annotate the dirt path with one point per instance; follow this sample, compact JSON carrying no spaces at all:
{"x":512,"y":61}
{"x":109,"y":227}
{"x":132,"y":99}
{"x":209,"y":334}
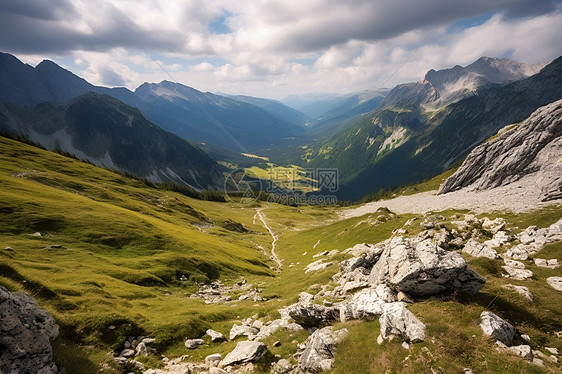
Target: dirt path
{"x":520,"y":196}
{"x":261,"y":216}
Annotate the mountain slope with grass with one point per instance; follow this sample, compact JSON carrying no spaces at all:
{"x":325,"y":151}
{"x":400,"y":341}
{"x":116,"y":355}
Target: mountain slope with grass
{"x":420,"y":142}
{"x":112,"y":258}
{"x":107,"y":132}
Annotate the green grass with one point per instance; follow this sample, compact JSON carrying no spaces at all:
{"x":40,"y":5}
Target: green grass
{"x":126,"y":244}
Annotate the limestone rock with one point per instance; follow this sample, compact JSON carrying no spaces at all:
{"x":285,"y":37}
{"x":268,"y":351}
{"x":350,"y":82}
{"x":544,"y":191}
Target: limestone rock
{"x":213,"y":360}
{"x":245,"y":351}
{"x":317,"y":265}
{"x":215,"y":335}
{"x":476,"y":249}
{"x":423,"y":269}
{"x":25,"y":334}
{"x":531,"y":147}
{"x":555,"y":282}
{"x":396,"y":320}
{"x":194,"y":343}
{"x":367,"y":303}
{"x":313,"y":315}
{"x":495,"y":327}
{"x":551,"y":264}
{"x":242,"y":330}
{"x":319,"y":352}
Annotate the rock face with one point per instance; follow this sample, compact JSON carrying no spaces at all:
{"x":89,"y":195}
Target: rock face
{"x":319,"y":352}
{"x":423,"y":269}
{"x":25,"y":333}
{"x":312,"y":315}
{"x":367,"y":303}
{"x":497,"y":328}
{"x":534,"y":147}
{"x":396,"y":320}
{"x":555,"y":282}
{"x":246,"y":351}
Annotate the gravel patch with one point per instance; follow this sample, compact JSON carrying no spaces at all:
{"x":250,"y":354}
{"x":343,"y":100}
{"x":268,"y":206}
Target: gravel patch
{"x":517,"y":197}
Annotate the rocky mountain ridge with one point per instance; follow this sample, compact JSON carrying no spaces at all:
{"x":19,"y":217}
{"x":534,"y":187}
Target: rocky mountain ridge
{"x":532,"y":149}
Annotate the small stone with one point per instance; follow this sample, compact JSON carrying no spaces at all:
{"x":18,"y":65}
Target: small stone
{"x":127,"y":353}
{"x":554,"y":351}
{"x":215,"y":335}
{"x":497,"y":328}
{"x":555,"y":282}
{"x":141,"y":350}
{"x":405,"y":345}
{"x":526,"y":337}
{"x":148,"y":341}
{"x":127,"y":344}
{"x":380,"y":339}
{"x":277,"y":344}
{"x":213,"y":360}
{"x":194,"y":343}
{"x":403,"y":296}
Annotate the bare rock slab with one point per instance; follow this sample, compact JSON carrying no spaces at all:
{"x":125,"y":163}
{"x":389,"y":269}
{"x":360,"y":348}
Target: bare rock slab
{"x":396,"y":320}
{"x":246,"y":351}
{"x":423,"y":269}
{"x":495,"y":327}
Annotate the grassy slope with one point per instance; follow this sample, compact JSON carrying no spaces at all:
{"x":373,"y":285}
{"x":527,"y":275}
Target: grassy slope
{"x":126,"y":246}
{"x":126,"y":241}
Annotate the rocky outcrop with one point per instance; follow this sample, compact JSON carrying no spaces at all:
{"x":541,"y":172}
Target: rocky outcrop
{"x":423,"y":269}
{"x":25,"y":334}
{"x":367,"y":304}
{"x":245,"y":351}
{"x":555,"y":282}
{"x":313,"y":315}
{"x":398,"y":321}
{"x":318,"y":354}
{"x":496,"y":328}
{"x":532,"y":147}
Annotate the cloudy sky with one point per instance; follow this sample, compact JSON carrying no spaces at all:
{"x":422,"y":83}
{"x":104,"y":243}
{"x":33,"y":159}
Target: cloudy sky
{"x":273,"y":48}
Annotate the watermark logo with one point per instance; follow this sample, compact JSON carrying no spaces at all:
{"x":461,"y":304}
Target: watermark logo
{"x":284,"y":185}
{"x":242,"y":188}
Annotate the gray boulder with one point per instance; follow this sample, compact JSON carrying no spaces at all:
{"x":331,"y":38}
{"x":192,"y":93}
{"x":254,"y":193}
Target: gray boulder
{"x":496,"y":328}
{"x":367,"y":303}
{"x":25,"y":334}
{"x":476,"y":249}
{"x":313,"y":315}
{"x":555,"y":282}
{"x":194,"y":343}
{"x":215,"y":335}
{"x":242,"y":330}
{"x":318,"y":354}
{"x":245,"y":351}
{"x":530,"y":148}
{"x":396,"y":320}
{"x":423,"y":269}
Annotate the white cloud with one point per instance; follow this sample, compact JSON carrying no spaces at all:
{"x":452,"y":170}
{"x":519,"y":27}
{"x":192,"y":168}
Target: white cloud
{"x":280,"y":47}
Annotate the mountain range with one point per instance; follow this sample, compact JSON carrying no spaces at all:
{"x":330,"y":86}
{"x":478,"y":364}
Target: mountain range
{"x":415,"y":135}
{"x":377,"y":139}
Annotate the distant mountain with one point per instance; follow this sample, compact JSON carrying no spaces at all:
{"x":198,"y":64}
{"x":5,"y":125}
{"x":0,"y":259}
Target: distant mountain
{"x":177,"y":108}
{"x":443,"y":87}
{"x":406,"y":140}
{"x":111,"y":134}
{"x":324,"y":108}
{"x":211,"y":118}
{"x":277,"y":108}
